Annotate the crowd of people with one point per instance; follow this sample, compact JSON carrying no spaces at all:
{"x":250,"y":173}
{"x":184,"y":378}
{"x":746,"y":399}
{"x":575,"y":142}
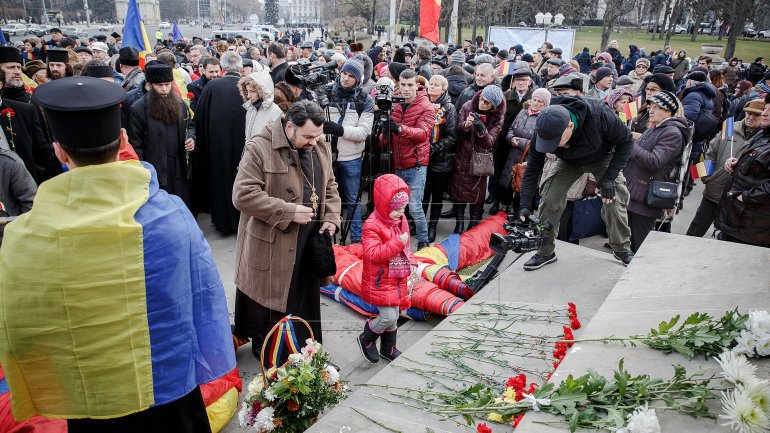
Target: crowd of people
{"x":233,"y":128}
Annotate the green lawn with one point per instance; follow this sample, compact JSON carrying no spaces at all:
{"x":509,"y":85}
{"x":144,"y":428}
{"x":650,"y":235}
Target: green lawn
{"x":746,"y":49}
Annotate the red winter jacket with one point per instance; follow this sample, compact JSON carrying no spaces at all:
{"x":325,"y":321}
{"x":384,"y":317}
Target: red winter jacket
{"x":381,"y":243}
{"x":412,"y":145}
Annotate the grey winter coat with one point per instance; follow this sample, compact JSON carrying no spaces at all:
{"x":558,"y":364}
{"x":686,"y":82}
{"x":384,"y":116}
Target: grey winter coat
{"x":653,"y":157}
{"x":719,"y":152}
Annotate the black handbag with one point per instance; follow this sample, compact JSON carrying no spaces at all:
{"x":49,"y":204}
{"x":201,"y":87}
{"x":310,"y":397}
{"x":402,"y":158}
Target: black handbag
{"x":705,"y":125}
{"x":662,"y":195}
{"x":321,"y":252}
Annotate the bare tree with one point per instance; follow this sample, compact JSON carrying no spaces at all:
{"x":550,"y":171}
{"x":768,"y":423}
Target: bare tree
{"x":737,"y":13}
{"x":614,"y":10}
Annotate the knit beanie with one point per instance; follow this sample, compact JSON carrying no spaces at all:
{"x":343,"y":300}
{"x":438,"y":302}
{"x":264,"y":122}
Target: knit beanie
{"x":666,"y":100}
{"x":502,"y":55}
{"x":399,"y":200}
{"x":380,"y":66}
{"x":457,"y":58}
{"x":601,"y":73}
{"x":642,"y":61}
{"x":355,"y":68}
{"x":518,"y":48}
{"x":606,"y":57}
{"x":396,"y":68}
{"x":527,"y":57}
{"x":493,"y":94}
{"x":543,"y":94}
{"x":617,"y":94}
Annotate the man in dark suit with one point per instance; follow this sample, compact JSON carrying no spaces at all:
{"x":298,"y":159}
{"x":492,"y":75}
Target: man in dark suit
{"x":21,"y":131}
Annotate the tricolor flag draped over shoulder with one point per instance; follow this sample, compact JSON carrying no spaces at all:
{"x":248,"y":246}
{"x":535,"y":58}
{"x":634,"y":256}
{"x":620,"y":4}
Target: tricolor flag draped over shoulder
{"x":134,"y":33}
{"x":430,"y":11}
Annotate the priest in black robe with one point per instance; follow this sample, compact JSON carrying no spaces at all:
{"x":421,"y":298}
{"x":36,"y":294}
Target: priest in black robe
{"x":220,"y":124}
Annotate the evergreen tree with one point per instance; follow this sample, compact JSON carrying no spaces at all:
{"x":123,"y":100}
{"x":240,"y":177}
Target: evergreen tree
{"x":271,"y":11}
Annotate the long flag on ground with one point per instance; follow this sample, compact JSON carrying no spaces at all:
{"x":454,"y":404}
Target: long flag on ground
{"x":134,"y":33}
{"x":430,"y":11}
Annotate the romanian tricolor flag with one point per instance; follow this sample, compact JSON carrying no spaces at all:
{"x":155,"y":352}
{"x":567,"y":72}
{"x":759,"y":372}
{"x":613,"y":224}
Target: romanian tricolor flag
{"x":110,"y":302}
{"x":698,"y":170}
{"x":430,"y":11}
{"x":134,"y":33}
{"x":728,"y":127}
{"x":506,"y":68}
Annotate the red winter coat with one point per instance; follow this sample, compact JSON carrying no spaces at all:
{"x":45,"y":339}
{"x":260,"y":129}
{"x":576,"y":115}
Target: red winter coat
{"x":380,"y":243}
{"x":412,"y":145}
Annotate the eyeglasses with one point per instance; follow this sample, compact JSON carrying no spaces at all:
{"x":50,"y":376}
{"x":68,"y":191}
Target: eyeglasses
{"x":652,"y":89}
{"x":641,"y":66}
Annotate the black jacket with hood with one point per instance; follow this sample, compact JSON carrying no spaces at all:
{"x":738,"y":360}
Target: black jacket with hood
{"x":442,"y":151}
{"x":599,"y":134}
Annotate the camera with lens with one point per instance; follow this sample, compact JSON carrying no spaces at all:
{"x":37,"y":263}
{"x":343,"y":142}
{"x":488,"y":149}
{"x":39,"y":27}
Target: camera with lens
{"x":317,"y":79}
{"x":522,"y":236}
{"x":384,"y":98}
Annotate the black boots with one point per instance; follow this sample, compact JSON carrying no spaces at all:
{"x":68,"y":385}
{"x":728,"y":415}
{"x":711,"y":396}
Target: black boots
{"x":388,"y":349}
{"x":495,"y":208}
{"x":459,"y":211}
{"x":367,"y":342}
{"x":432,"y":231}
{"x":477,"y":214}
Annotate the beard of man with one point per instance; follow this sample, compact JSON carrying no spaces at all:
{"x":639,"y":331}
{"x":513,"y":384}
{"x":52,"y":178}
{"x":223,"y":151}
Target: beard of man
{"x":167,"y":109}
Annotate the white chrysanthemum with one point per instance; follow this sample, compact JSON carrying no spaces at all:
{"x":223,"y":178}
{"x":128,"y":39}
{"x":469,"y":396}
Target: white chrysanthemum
{"x":296,"y":359}
{"x":643,"y":420}
{"x":243,"y":415}
{"x":741,"y":414}
{"x":762,"y":343}
{"x":759,"y":392}
{"x":334,"y":375}
{"x":269,"y":396}
{"x":256,"y":385}
{"x":736,"y":368}
{"x":745,"y":343}
{"x":759,"y":321}
{"x":264,"y":420}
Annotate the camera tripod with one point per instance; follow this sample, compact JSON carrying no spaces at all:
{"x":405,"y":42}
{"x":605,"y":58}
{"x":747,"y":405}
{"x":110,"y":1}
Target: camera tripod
{"x":377,"y":160}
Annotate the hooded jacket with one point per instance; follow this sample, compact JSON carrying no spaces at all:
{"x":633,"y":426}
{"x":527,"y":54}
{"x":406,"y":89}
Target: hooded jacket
{"x":443,"y":136}
{"x":584,"y":60}
{"x":630,"y":63}
{"x":411,"y":146}
{"x":457,"y":83}
{"x":380,"y":241}
{"x":599,"y":134}
{"x":653,"y":157}
{"x":698,"y":98}
{"x":258,"y":118}
{"x":748,"y":220}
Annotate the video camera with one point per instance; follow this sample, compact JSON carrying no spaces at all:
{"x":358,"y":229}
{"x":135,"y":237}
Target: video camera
{"x":384,"y":98}
{"x":318,"y":79}
{"x":522,"y":236}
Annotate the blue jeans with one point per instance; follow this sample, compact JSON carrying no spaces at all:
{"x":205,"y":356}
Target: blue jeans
{"x":415,"y":179}
{"x":349,"y":178}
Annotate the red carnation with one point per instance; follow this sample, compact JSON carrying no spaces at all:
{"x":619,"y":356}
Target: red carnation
{"x":482,"y":428}
{"x":517,"y":382}
{"x":405,"y":303}
{"x":190,"y":95}
{"x":555,"y":364}
{"x":575,"y":323}
{"x":517,"y":420}
{"x":571,"y":307}
{"x":8,"y":112}
{"x":568,"y":335}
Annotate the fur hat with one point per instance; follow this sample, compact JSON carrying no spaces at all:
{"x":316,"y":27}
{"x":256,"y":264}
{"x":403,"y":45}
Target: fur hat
{"x":158,"y":73}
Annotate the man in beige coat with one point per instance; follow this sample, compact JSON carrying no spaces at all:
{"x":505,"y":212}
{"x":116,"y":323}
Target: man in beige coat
{"x":286,"y":193}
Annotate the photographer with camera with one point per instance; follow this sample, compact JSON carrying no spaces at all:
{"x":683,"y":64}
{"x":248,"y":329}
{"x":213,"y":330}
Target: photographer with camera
{"x":351,"y":111}
{"x":410,"y":126}
{"x":587,"y":137}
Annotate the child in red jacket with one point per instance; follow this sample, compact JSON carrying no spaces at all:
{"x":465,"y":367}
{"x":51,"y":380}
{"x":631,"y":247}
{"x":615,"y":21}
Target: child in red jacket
{"x":387,"y":266}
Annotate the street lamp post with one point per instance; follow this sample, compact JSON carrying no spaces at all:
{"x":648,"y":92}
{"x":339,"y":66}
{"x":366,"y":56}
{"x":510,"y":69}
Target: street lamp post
{"x":548,"y":21}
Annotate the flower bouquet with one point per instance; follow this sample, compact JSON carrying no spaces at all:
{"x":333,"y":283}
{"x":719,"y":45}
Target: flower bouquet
{"x":289,"y":398}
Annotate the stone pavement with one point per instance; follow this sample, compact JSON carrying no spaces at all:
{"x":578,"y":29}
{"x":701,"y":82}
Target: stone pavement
{"x":341,"y":325}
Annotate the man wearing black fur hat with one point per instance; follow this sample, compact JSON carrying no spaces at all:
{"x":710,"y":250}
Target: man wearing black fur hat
{"x":21,"y":132}
{"x":59,"y":64}
{"x":13,"y":87}
{"x":162,"y":132}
